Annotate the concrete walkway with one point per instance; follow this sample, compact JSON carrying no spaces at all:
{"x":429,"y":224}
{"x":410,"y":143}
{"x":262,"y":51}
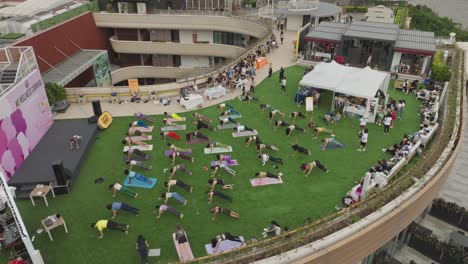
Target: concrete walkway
{"x":281,"y":57}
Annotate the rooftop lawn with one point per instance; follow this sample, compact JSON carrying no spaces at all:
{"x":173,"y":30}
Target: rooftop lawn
{"x":289,"y":203}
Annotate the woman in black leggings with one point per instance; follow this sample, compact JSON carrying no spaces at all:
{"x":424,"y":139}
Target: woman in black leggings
{"x":300,"y":149}
{"x":201,"y":124}
{"x":219,"y":194}
{"x":291,"y":128}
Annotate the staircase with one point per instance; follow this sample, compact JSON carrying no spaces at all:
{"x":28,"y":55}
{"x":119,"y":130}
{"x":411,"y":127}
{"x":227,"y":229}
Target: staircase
{"x":8,"y":74}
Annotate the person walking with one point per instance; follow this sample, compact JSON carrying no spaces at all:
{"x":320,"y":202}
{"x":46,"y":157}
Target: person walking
{"x":281,"y":74}
{"x":270,"y":70}
{"x":283,"y":84}
{"x":387,"y":122}
{"x":252,"y":85}
{"x":282,"y":37}
{"x":364,"y":137}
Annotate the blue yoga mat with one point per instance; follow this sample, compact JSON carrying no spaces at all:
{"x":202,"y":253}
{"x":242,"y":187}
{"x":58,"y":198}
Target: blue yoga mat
{"x":140,"y":184}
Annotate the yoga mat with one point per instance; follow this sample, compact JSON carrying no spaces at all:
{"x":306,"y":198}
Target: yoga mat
{"x":168,"y":152}
{"x":217,"y":150}
{"x":154,"y":252}
{"x":174,"y":128}
{"x":145,"y":129}
{"x":198,"y":141}
{"x":230,"y":116}
{"x":140,"y":138}
{"x":142,"y":148}
{"x":224,"y":246}
{"x":265,"y":181}
{"x":183,"y":255}
{"x":244,"y":134}
{"x":232,"y":163}
{"x":334,"y":146}
{"x":140,"y":184}
{"x":227,"y":126}
{"x":174,"y":119}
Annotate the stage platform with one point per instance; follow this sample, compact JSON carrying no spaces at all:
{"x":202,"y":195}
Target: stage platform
{"x":37,"y":168}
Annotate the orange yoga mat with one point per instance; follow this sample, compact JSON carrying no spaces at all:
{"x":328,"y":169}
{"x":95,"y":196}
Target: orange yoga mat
{"x":262,"y":61}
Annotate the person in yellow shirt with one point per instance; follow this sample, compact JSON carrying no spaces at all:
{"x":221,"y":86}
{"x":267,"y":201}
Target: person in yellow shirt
{"x":103,"y":224}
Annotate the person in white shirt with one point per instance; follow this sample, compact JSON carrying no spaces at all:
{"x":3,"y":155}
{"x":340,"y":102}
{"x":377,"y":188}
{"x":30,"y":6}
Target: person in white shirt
{"x":363,"y":123}
{"x":387,"y":123}
{"x":283,"y":84}
{"x":274,"y":229}
{"x":241,"y":128}
{"x":364,"y":137}
{"x":264,"y":158}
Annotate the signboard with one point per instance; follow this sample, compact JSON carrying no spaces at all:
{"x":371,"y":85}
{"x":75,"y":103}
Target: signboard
{"x":309,"y":104}
{"x":133,"y":85}
{"x":25,"y":117}
{"x":102,"y":71}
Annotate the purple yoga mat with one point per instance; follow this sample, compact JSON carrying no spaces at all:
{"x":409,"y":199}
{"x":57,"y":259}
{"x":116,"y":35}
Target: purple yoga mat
{"x":169,"y":152}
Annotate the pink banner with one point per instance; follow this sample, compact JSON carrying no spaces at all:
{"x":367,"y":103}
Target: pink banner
{"x":25,"y":117}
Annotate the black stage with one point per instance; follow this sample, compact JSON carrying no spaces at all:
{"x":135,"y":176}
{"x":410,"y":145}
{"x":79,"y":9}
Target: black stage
{"x":37,"y":168}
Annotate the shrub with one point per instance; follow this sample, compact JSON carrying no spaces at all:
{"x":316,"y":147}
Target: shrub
{"x":55,"y":93}
{"x":440,"y":72}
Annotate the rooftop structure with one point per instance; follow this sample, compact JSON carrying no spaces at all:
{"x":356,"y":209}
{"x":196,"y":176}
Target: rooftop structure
{"x":381,"y":14}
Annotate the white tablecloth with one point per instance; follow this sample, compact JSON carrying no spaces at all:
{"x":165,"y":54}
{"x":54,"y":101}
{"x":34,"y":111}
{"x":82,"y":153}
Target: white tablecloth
{"x":215,"y":92}
{"x":191,"y":101}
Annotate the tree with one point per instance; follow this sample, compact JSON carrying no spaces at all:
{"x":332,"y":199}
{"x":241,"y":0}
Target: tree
{"x":55,"y":93}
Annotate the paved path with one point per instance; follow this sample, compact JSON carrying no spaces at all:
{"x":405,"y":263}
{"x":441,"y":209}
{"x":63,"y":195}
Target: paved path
{"x":281,"y":57}
{"x":456,"y":187}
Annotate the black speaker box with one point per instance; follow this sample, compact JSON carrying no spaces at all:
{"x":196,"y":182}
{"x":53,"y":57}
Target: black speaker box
{"x":60,"y":174}
{"x":92,"y":120}
{"x":97,"y":108}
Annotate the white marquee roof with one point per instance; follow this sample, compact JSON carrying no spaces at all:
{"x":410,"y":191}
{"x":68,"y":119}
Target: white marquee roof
{"x":351,"y":81}
{"x":31,"y":7}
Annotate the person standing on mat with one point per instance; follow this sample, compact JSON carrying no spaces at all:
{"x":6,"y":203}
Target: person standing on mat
{"x":116,"y":206}
{"x":176,"y":154}
{"x":264,"y":158}
{"x":215,"y":181}
{"x":220,"y":210}
{"x":166,"y":208}
{"x":137,"y":176}
{"x":142,"y":247}
{"x":174,"y":195}
{"x":179,"y":183}
{"x":280,"y":123}
{"x":117,"y":187}
{"x":181,"y":167}
{"x":263,"y":174}
{"x":307,"y":168}
{"x":103,"y":224}
{"x":138,"y":164}
{"x":221,"y":195}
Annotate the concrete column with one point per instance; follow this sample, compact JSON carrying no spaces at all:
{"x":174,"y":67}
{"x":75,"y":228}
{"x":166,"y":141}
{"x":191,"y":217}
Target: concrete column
{"x":396,"y":59}
{"x":425,"y":64}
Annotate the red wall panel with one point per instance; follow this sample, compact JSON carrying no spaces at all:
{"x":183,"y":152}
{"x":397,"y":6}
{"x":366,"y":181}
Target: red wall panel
{"x":81,"y":30}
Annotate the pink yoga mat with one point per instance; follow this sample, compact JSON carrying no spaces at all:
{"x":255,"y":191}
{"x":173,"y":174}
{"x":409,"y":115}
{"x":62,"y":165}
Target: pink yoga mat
{"x":264,"y":181}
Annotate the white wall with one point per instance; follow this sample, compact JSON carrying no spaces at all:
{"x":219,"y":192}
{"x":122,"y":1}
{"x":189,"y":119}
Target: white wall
{"x":194,"y":61}
{"x":186,"y":36}
{"x":294,"y":23}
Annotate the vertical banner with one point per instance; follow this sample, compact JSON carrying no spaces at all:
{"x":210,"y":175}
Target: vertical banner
{"x":133,"y":85}
{"x":25,"y":117}
{"x":309,"y":104}
{"x":102,"y":71}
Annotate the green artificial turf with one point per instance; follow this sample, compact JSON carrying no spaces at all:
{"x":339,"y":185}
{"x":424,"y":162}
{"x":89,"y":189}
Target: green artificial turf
{"x":290,"y":203}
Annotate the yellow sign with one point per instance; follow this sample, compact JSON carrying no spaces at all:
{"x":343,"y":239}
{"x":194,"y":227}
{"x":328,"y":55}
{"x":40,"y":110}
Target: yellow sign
{"x":133,"y":85}
{"x":104,"y":120}
{"x":309,"y":104}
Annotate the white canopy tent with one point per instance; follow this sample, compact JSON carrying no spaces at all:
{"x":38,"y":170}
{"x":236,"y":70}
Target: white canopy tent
{"x":351,"y":81}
